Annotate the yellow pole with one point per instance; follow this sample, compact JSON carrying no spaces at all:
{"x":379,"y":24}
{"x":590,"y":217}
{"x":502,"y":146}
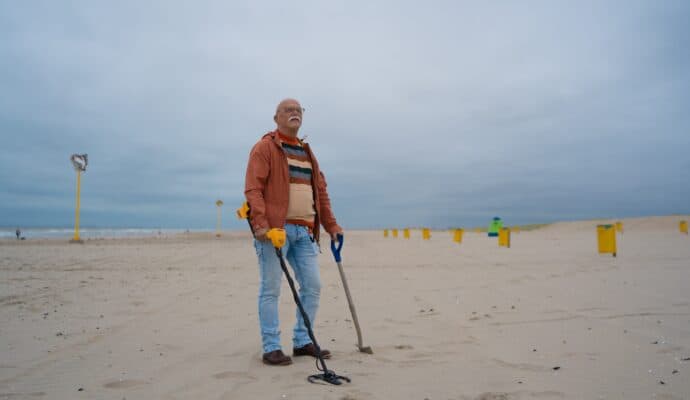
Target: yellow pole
{"x":218,"y":223}
{"x":219,"y":204}
{"x":406,"y":233}
{"x":76,"y":212}
{"x":683,"y":226}
{"x":385,"y":233}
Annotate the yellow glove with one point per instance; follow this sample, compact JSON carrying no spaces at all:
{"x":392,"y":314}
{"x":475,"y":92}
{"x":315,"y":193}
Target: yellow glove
{"x":277,"y":237}
{"x":243,"y":212}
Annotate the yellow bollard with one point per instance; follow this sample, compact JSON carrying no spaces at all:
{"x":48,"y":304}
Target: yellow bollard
{"x":219,"y":204}
{"x":619,"y":227}
{"x":606,"y":238}
{"x":406,"y":233}
{"x":385,"y":233}
{"x":395,"y":233}
{"x":504,"y":237}
{"x":683,"y":226}
{"x":426,"y":234}
{"x":457,"y":235}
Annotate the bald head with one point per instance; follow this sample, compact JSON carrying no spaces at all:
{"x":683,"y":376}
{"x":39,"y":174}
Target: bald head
{"x":288,"y":117}
{"x":286,"y":103}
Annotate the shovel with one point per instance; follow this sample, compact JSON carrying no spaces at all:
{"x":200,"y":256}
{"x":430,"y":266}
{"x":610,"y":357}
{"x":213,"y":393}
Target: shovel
{"x":338,"y":260}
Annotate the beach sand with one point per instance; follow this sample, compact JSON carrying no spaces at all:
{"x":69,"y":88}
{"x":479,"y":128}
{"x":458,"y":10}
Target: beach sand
{"x":176,"y":318}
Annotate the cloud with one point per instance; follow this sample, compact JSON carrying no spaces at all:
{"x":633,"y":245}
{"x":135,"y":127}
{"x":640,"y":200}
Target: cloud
{"x":443,"y":115}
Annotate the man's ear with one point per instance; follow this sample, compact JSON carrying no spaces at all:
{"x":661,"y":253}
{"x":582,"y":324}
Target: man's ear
{"x":275,"y":118}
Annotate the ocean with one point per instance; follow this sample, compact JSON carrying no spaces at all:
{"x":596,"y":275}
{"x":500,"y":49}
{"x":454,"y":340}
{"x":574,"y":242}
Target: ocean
{"x":91,"y":233}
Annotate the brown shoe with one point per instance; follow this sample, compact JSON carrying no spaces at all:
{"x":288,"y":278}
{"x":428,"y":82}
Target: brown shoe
{"x":276,"y":357}
{"x":310,"y":350}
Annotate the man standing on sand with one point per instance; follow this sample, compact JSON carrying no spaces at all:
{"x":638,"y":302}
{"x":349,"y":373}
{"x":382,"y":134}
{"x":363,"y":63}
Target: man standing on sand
{"x":285,"y":189}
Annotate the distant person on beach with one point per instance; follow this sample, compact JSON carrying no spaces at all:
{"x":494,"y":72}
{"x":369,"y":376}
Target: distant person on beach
{"x":18,"y":232}
{"x":285,"y":189}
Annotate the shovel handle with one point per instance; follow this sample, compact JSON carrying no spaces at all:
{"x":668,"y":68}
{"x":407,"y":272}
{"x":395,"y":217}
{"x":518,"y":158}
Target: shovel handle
{"x":336,"y":250}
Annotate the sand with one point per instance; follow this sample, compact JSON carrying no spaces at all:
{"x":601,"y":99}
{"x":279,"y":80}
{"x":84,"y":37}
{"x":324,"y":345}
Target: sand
{"x":176,"y":318}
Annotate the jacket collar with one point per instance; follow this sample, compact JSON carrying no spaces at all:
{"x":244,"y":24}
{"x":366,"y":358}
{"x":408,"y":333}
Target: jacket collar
{"x":276,"y":139}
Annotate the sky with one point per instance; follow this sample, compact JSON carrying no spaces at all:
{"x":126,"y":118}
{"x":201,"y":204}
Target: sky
{"x":436,"y":113}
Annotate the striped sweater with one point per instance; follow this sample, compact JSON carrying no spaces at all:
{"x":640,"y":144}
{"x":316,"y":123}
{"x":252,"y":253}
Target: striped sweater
{"x":301,"y":209}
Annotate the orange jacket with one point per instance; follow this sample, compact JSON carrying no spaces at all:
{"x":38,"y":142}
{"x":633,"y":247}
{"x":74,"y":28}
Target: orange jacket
{"x":267,"y":187}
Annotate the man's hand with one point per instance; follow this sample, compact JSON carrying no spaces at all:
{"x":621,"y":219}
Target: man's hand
{"x":260,"y":234}
{"x":334,"y":235}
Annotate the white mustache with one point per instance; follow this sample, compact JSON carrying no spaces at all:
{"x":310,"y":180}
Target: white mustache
{"x":295,"y":117}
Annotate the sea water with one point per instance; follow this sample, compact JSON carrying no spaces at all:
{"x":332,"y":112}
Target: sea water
{"x":91,"y":233}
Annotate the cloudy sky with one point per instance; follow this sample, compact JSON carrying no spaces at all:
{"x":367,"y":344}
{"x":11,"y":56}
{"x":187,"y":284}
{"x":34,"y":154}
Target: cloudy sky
{"x":437,"y":113}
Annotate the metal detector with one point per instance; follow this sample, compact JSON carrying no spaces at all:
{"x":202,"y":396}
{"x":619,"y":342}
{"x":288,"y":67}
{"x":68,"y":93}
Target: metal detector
{"x":277,"y":237}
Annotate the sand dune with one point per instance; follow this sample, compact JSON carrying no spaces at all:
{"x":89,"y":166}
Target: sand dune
{"x":176,"y":318}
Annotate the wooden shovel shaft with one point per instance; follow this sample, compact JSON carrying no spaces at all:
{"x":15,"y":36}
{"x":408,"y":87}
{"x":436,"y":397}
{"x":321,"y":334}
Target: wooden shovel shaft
{"x":351,"y":304}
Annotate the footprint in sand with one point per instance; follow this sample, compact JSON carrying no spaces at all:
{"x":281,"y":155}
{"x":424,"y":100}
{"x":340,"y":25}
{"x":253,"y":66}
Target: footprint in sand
{"x":10,"y":396}
{"x":520,"y":366}
{"x":233,"y":374}
{"x":477,"y":317}
{"x":124,"y":384}
{"x":355,"y":395}
{"x":494,"y":396}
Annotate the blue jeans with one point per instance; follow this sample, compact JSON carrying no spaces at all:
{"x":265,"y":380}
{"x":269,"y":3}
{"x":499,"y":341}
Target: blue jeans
{"x":301,"y":253}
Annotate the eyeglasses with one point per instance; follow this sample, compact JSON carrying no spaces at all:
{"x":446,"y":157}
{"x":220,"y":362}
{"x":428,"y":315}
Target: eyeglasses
{"x":290,"y":110}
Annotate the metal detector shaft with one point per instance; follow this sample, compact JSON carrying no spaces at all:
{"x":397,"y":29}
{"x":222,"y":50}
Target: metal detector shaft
{"x":277,"y":238}
{"x":328,"y":375}
{"x":303,"y":313}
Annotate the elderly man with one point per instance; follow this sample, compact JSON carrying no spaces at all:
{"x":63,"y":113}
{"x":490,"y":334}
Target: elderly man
{"x":285,"y":189}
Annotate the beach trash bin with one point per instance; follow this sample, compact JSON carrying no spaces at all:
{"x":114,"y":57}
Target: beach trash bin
{"x":395,"y":233}
{"x":426,"y":234}
{"x":606,"y":239}
{"x":619,"y":227}
{"x":504,"y":237}
{"x":385,"y":233}
{"x":683,"y":226}
{"x":457,"y":235}
{"x":406,"y":233}
{"x":494,"y":227}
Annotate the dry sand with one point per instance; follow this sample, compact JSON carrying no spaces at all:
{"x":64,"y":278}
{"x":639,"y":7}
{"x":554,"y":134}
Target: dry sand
{"x":176,"y":318}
